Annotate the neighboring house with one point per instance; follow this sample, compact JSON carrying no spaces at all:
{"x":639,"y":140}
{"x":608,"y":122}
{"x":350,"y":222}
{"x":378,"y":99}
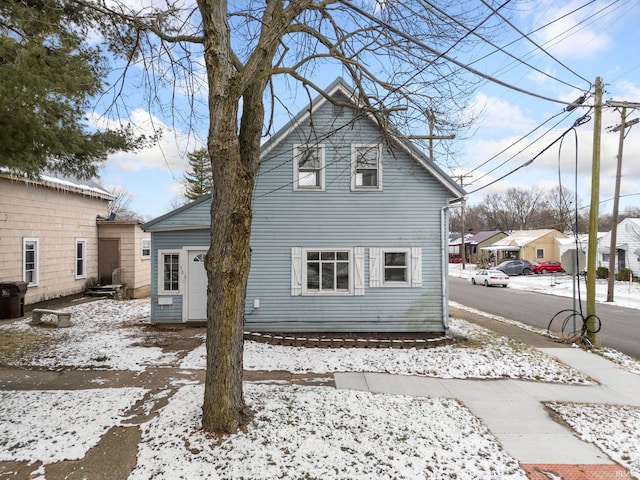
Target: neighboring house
{"x":349,"y":233}
{"x":531,"y":245}
{"x":627,"y":247}
{"x":124,"y":257}
{"x":478,"y":242}
{"x":48,"y":233}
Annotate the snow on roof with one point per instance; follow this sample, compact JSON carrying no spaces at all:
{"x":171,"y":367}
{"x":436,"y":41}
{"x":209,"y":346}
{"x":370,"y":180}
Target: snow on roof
{"x":58,"y":181}
{"x":523,"y":237}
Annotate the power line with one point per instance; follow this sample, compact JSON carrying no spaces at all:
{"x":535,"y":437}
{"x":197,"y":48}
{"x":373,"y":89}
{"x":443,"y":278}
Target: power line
{"x":578,"y":122}
{"x":497,"y":47}
{"x":421,"y":44}
{"x":534,"y":43}
{"x":516,"y":142}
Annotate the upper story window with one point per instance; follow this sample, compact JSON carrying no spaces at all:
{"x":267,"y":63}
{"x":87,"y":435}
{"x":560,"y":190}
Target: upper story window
{"x":30,"y":261}
{"x":366,"y":167}
{"x":308,"y":167}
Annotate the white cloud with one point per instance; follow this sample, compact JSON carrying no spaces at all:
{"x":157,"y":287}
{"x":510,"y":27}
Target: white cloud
{"x":571,"y":36}
{"x":169,"y":153}
{"x":497,"y":115}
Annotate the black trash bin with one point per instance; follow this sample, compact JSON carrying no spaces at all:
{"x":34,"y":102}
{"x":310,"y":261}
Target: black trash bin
{"x":12,"y":299}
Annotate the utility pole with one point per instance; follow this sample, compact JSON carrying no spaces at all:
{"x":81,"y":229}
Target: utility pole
{"x":463,"y":244}
{"x":593,"y":214}
{"x":616,"y":196}
{"x":431,"y":137}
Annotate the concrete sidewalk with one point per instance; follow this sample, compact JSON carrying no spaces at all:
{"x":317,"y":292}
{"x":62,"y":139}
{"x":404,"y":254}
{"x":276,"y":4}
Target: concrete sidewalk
{"x":513,"y":410}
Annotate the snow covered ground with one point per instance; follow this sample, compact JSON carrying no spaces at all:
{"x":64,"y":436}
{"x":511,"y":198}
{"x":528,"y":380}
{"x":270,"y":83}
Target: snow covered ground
{"x":297,"y":431}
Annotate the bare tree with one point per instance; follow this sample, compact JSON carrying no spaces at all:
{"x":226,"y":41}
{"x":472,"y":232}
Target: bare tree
{"x":561,"y":203}
{"x":120,"y":206}
{"x":522,"y":204}
{"x":389,"y":52}
{"x":496,"y":213}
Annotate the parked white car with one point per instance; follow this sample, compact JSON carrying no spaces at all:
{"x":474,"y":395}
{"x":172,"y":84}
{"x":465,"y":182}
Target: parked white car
{"x":489,"y":278}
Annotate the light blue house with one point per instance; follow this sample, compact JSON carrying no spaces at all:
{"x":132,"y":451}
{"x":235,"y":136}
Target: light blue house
{"x":349,"y":233}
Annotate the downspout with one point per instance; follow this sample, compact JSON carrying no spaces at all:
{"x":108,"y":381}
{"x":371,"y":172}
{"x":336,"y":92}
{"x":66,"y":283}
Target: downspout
{"x":444,"y":250}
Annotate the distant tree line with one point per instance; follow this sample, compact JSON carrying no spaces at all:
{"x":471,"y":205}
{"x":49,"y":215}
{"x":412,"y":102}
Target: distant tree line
{"x":530,"y":209}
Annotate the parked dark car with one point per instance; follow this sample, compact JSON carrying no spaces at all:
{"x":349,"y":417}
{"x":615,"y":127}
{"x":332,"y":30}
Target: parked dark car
{"x":547,"y":267}
{"x":515,"y":267}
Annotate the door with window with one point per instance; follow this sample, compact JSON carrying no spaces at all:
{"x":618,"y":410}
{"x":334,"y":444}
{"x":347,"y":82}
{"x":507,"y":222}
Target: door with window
{"x":197,"y":286}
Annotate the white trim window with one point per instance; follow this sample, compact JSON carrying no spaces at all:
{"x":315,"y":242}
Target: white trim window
{"x":327,"y":271}
{"x":30,"y":260}
{"x":539,"y":253}
{"x":145,"y":251}
{"x":395,"y":267}
{"x":169,"y":272}
{"x":366,"y":167}
{"x":81,"y":258}
{"x":308,"y":167}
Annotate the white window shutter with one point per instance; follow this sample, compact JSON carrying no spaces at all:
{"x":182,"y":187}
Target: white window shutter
{"x":416,"y":266}
{"x":296,"y":271}
{"x":358,"y":271}
{"x":374,"y":267}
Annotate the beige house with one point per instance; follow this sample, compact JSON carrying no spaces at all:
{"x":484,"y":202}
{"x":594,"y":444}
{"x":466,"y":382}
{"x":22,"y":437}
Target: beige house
{"x":124,"y":256}
{"x":49,"y":237}
{"x":532,"y":245}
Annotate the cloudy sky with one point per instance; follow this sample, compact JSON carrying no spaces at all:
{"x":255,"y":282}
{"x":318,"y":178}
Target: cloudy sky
{"x":599,"y":39}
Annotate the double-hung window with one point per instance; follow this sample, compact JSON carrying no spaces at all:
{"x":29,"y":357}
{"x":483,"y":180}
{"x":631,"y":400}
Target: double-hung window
{"x":308,"y":167}
{"x":396,"y":267}
{"x":81,"y":257}
{"x":366,"y":167}
{"x":168,"y":272}
{"x":146,"y":248}
{"x":30,"y":261}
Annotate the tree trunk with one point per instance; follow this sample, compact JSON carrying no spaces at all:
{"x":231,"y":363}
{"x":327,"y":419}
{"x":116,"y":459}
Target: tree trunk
{"x":228,"y":263}
{"x":235,"y":156}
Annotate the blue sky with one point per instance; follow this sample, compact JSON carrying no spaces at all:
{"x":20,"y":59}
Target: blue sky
{"x":600,"y":39}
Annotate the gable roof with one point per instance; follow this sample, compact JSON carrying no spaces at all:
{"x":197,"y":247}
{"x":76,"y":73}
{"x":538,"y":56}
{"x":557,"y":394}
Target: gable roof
{"x":339,"y":86}
{"x":484,"y":236}
{"x":156,"y":223}
{"x":524,"y":237}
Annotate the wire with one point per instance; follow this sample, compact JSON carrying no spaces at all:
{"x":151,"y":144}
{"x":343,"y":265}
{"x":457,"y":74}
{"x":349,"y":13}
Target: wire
{"x":421,"y":44}
{"x":497,"y":47}
{"x":578,"y":122}
{"x":524,"y":35}
{"x":513,"y":145}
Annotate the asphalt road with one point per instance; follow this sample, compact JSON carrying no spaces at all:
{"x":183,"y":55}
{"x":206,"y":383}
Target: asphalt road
{"x":620,"y":326}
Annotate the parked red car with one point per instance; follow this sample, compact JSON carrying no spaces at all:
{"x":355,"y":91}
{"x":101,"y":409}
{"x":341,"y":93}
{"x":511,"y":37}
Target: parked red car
{"x":547,"y":267}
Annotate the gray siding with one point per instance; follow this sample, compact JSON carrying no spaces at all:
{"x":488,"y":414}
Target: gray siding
{"x":173,"y":240}
{"x":406,"y":213}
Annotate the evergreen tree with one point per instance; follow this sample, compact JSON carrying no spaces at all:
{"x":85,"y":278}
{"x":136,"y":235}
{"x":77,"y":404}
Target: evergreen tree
{"x":199,"y":179}
{"x":48,"y":75}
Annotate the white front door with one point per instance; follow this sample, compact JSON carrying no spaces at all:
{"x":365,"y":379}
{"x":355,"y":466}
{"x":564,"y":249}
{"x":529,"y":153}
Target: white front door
{"x":197,"y":286}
